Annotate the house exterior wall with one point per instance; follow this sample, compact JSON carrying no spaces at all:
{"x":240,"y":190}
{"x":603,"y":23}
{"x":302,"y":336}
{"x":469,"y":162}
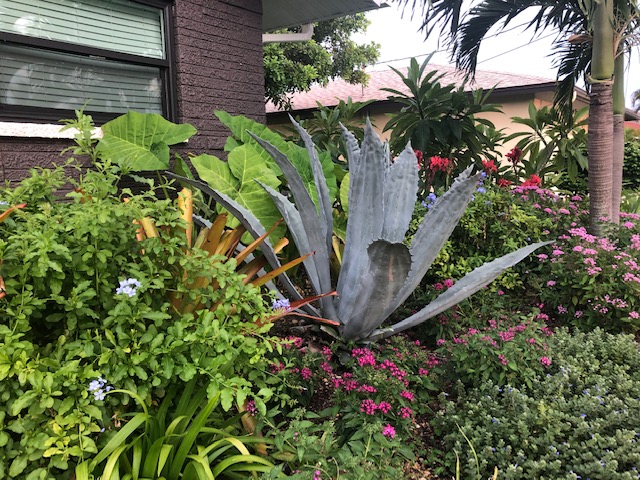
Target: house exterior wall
{"x":218,"y":66}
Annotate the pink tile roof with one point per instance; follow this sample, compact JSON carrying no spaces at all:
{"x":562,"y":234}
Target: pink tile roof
{"x":340,"y":90}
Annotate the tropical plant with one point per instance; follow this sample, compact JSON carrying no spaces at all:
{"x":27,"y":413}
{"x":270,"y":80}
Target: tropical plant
{"x":378,"y":271}
{"x":177,"y":442}
{"x":325,"y":129}
{"x":556,"y":145}
{"x":439,"y":120}
{"x":600,"y":29}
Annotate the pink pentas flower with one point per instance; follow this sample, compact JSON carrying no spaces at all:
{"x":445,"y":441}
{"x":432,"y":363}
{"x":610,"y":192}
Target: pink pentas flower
{"x":503,"y":359}
{"x":368,"y":406}
{"x":384,"y":407}
{"x":551,"y":283}
{"x":448,"y":283}
{"x":408,"y":395}
{"x":634,"y":314}
{"x":388,"y":431}
{"x":546,"y":361}
{"x":406,"y":412}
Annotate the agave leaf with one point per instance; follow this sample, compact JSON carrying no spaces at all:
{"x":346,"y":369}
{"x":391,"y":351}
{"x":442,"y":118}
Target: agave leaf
{"x":141,"y":140}
{"x":364,"y":224}
{"x":325,"y":200}
{"x":234,"y":178}
{"x":464,"y":288}
{"x":400,"y":194}
{"x":296,"y":228}
{"x":251,"y":223}
{"x":310,"y":221}
{"x":434,"y":231}
{"x":386,"y":272}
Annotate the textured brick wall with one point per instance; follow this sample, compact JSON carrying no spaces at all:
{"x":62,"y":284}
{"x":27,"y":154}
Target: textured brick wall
{"x":219,"y":65}
{"x":218,"y":47}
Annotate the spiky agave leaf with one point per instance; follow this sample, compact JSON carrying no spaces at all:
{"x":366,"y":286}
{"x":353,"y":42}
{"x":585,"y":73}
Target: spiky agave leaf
{"x":464,"y":288}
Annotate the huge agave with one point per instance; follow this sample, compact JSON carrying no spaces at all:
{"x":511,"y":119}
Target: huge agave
{"x":378,"y":270}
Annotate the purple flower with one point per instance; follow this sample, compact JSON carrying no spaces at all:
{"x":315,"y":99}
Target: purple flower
{"x":278,"y":304}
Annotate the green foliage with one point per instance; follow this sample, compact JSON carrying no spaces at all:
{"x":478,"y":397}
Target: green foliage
{"x":138,"y":141}
{"x":64,"y":321}
{"x":331,"y":53}
{"x":579,"y":421}
{"x":503,"y":350}
{"x":356,"y":408}
{"x":587,"y":281}
{"x":495,"y":223}
{"x":440,"y":120}
{"x":631,"y":168}
{"x":325,"y":128}
{"x":555,"y":145}
{"x":180,"y":440}
{"x":378,"y":272}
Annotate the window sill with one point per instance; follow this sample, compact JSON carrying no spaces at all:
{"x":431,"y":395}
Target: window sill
{"x":39,"y":130}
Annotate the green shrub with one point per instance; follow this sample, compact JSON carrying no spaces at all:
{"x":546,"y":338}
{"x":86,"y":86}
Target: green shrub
{"x":580,"y":420}
{"x":631,"y":168}
{"x":586,"y":281}
{"x":85,"y":299}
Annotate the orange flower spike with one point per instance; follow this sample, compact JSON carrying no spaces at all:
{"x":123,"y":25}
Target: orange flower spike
{"x":4,"y":215}
{"x":185,"y":206}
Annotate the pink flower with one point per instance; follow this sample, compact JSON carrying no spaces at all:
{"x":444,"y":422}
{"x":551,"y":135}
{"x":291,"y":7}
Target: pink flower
{"x":562,"y":309}
{"x":368,"y":406}
{"x":408,"y":395}
{"x":406,"y":412}
{"x":384,"y":407}
{"x":514,"y":155}
{"x":551,"y":283}
{"x":634,"y":314}
{"x":440,"y":342}
{"x":500,"y":292}
{"x":546,"y":361}
{"x":388,"y":431}
{"x":448,"y":283}
{"x":438,"y":287}
{"x":489,"y":166}
{"x":306,"y":373}
{"x":503,"y":360}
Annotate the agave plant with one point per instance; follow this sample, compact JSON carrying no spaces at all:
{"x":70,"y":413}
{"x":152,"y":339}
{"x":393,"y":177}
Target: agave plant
{"x":378,"y":270}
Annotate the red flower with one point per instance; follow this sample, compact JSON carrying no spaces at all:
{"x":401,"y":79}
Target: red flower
{"x":503,"y":182}
{"x":439,"y":164}
{"x":489,"y":166}
{"x":419,"y":156}
{"x":514,"y":155}
{"x":533,"y":181}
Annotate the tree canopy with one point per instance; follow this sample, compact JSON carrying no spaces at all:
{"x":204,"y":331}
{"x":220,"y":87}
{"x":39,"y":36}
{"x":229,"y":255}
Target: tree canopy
{"x":331,"y":53}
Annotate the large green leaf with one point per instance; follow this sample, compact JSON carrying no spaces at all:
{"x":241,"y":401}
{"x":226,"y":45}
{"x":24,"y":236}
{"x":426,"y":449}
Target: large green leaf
{"x":140,"y":141}
{"x":236,"y":179}
{"x":241,"y":127}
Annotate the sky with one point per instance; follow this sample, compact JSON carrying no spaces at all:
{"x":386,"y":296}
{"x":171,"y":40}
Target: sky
{"x":513,"y":51}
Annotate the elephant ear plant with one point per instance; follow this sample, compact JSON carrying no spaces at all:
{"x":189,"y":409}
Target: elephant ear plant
{"x":378,"y":270}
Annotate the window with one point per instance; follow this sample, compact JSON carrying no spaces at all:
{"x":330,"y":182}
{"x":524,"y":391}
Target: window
{"x":55,"y":55}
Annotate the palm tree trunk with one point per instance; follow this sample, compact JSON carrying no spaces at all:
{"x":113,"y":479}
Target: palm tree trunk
{"x":600,"y":148}
{"x":618,"y":137}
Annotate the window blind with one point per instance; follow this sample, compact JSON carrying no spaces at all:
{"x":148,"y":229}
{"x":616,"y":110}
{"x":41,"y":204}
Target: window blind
{"x":40,"y":78}
{"x":118,"y":25}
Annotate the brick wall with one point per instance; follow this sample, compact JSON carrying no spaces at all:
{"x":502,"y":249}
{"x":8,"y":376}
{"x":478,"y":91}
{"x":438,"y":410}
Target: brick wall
{"x":218,"y":47}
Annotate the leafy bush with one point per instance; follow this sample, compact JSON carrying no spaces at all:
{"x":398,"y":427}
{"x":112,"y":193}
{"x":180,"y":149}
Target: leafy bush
{"x":85,"y":299}
{"x":581,"y":420}
{"x":631,"y":169}
{"x":356,"y":407}
{"x":509,"y":349}
{"x":586,"y":281}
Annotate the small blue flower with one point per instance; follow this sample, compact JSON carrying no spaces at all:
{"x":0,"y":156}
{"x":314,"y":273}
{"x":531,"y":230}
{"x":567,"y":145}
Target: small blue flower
{"x":481,"y":190}
{"x":494,"y":420}
{"x":278,"y":304}
{"x":432,"y":197}
{"x":583,"y":415}
{"x":128,"y":287}
{"x":99,"y":388}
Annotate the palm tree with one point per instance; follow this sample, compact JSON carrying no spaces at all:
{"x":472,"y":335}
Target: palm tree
{"x":635,"y":99}
{"x":597,"y":29}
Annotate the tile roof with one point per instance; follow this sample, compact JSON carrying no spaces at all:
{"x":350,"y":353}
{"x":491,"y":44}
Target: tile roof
{"x":378,"y":79}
